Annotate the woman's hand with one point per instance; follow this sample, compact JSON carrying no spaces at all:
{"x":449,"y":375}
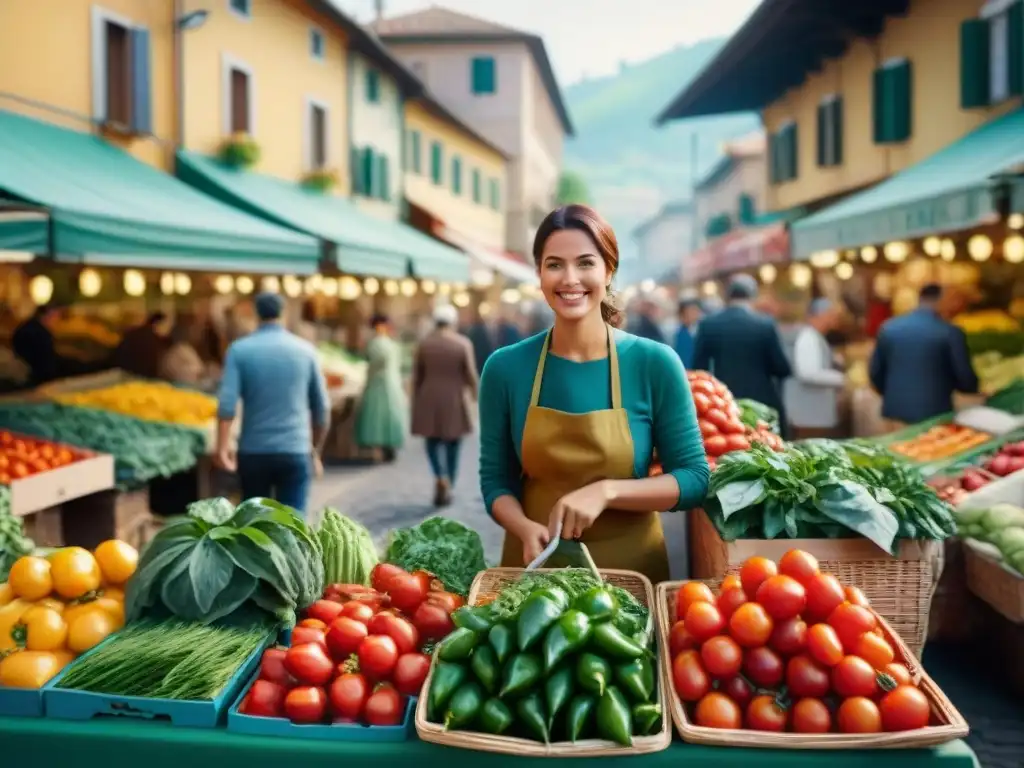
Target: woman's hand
{"x":577,"y":511}
{"x":534,"y":537}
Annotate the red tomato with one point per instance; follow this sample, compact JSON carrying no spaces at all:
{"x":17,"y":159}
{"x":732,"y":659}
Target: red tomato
{"x":703,"y":387}
{"x":715,"y":445}
{"x":704,"y":621}
{"x":405,"y":635}
{"x":447,"y":600}
{"x":738,"y":441}
{"x":701,"y":402}
{"x":354,"y":609}
{"x":904,"y":708}
{"x":850,"y":622}
{"x":305,"y":705}
{"x":875,"y":650}
{"x":859,"y":715}
{"x":789,"y":637}
{"x":410,"y":672}
{"x":348,"y":695}
{"x":377,"y":656}
{"x":722,"y":657}
{"x":799,"y":565}
{"x":680,"y":639}
{"x":824,"y":593}
{"x":738,"y":689}
{"x":309,"y":663}
{"x":384,"y":707}
{"x":344,"y":636}
{"x":782,"y":596}
{"x":856,"y":596}
{"x":692,"y":592}
{"x":303,"y":635}
{"x":406,"y":590}
{"x":853,"y":676}
{"x":272,"y":666}
{"x":707,"y":429}
{"x":731,"y":599}
{"x":899,"y":673}
{"x":718,"y":711}
{"x":432,"y":621}
{"x":763,"y":667}
{"x":805,"y":677}
{"x":823,"y":645}
{"x":384,"y":575}
{"x":811,"y":716}
{"x":755,"y":572}
{"x":264,"y":699}
{"x":763,"y":714}
{"x":750,"y":625}
{"x":314,"y":623}
{"x":324,"y":610}
{"x":688,"y":676}
{"x":730,"y":581}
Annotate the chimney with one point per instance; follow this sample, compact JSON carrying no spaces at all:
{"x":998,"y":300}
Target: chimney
{"x":379,"y":9}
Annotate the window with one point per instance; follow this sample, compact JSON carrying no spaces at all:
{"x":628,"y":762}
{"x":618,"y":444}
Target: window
{"x":316,"y":44}
{"x":372,"y":86}
{"x":495,"y":194}
{"x":746,"y":209}
{"x":457,"y":175}
{"x":241,"y":7}
{"x":416,"y":152}
{"x":830,"y":132}
{"x":893,"y":102}
{"x":239,"y":101}
{"x":477,"y":186}
{"x":121,"y":73}
{"x":436,"y":162}
{"x":317,"y":133}
{"x":783,"y":152}
{"x":483,"y":74}
{"x":119,"y":70}
{"x":382,"y":185}
{"x":367,"y":166}
{"x":992,"y":54}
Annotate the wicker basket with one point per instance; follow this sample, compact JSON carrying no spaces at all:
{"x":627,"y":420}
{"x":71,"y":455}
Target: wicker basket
{"x":948,"y":723}
{"x":485,"y":587}
{"x":994,"y":583}
{"x":900,"y":588}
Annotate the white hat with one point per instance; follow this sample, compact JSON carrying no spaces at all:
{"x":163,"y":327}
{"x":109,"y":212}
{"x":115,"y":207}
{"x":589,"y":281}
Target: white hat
{"x":446,"y":314}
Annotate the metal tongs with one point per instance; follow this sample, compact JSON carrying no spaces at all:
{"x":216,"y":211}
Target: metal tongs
{"x":572,"y":549}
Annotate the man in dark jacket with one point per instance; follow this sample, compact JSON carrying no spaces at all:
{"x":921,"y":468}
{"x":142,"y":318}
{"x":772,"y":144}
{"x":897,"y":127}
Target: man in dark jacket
{"x":742,"y":347}
{"x":34,"y":345}
{"x":142,"y":348}
{"x":920,"y":359}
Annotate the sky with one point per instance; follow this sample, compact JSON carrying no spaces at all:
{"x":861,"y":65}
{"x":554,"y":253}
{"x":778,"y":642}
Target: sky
{"x":590,"y":38}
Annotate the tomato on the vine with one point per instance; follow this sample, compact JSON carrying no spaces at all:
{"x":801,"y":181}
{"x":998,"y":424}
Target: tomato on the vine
{"x":824,"y":593}
{"x":692,"y":592}
{"x":688,"y":676}
{"x":811,"y":716}
{"x":782,"y":596}
{"x":755,"y":572}
{"x":875,"y":650}
{"x":765,"y":714}
{"x":348,"y":695}
{"x":805,"y":677}
{"x":850,"y":622}
{"x":859,"y":715}
{"x":704,"y":620}
{"x":680,"y":639}
{"x":716,"y":710}
{"x":799,"y":565}
{"x":750,"y":625}
{"x":823,"y":645}
{"x":789,"y":637}
{"x":763,"y":667}
{"x":904,"y":708}
{"x":738,"y":689}
{"x":853,"y":676}
{"x":722,"y":657}
{"x":731,"y":599}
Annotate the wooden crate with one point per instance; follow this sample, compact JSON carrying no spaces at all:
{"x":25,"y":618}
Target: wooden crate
{"x":995,"y":583}
{"x":90,"y":473}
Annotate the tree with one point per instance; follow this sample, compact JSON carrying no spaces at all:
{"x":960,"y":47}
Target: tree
{"x":572,"y":189}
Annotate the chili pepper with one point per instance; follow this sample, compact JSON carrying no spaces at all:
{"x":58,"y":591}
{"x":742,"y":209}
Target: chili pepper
{"x":538,"y":613}
{"x":636,"y":678}
{"x":593,"y":673}
{"x":458,"y":645}
{"x":495,"y":717}
{"x":581,"y":710}
{"x":475,"y":617}
{"x":531,"y":713}
{"x":486,"y":667}
{"x":447,"y":678}
{"x":521,"y":674}
{"x":608,"y":639}
{"x":557,"y":692}
{"x":598,"y":603}
{"x":464,"y":706}
{"x":502,"y":639}
{"x":646,"y":717}
{"x":569,"y":633}
{"x":614,"y":718}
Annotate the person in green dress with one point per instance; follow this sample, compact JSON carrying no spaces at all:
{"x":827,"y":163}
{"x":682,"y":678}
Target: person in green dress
{"x":381,"y":421}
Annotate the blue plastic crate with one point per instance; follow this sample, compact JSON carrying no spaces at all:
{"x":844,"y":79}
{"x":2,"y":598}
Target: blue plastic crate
{"x":84,"y":705}
{"x":279,"y":726}
{"x":21,"y":702}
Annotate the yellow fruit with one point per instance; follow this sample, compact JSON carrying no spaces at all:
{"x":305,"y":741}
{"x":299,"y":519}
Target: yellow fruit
{"x":89,"y":630}
{"x":75,"y":572}
{"x":52,"y":603}
{"x":117,"y":561}
{"x":6,"y":594}
{"x":31,"y":578}
{"x":42,"y":629}
{"x":114,"y":593}
{"x":10,"y":615}
{"x":28,"y":669}
{"x":112,"y":608}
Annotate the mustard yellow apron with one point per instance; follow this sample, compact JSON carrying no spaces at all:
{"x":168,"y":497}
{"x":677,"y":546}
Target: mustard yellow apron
{"x":562,"y":452}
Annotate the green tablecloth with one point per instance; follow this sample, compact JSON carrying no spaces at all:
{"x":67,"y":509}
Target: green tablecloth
{"x":94,"y":744}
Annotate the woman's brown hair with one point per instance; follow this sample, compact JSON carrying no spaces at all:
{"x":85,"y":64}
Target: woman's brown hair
{"x":587,"y":220}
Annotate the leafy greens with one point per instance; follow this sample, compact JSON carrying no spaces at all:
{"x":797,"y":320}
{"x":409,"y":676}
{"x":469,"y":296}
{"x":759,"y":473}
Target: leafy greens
{"x":441,"y":546}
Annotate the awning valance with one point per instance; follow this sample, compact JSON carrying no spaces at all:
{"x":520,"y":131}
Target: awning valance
{"x":499,"y":261}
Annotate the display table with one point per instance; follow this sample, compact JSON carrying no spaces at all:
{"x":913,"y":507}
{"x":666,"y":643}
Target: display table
{"x":55,"y":744}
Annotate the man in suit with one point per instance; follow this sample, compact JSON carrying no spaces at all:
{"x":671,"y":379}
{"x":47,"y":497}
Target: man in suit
{"x":919,"y":361}
{"x":742,"y":347}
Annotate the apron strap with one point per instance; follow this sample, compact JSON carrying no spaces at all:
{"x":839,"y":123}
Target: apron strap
{"x":538,"y":377}
{"x":613,"y":370}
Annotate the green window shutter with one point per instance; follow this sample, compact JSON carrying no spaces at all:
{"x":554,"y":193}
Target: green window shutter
{"x":142,"y":96}
{"x":878,"y":107}
{"x":482,"y":74}
{"x":836,"y":108}
{"x":1015,"y":47}
{"x":355,"y":169}
{"x":372,"y":86}
{"x":495,"y":195}
{"x":746,"y":208}
{"x":718,"y":225}
{"x":383,"y":179}
{"x":773,"y":158}
{"x":823,"y":135}
{"x":367,"y":171}
{"x":791,"y":167}
{"x":477,"y":186}
{"x":893,"y":103}
{"x":974,"y":63}
{"x":436,"y":162}
{"x":830,"y":133}
{"x":457,"y":175}
{"x":415,"y":152}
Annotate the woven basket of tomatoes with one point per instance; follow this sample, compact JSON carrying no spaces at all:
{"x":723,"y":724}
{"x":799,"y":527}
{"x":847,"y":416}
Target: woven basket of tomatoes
{"x":718,"y":416}
{"x":780,"y":656}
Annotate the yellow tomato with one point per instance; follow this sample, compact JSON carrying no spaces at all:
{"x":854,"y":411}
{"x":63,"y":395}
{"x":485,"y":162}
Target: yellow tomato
{"x":117,"y":561}
{"x":75,"y":572}
{"x":6,"y":594}
{"x":28,"y":669}
{"x":31,"y":578}
{"x":52,"y":603}
{"x":10,"y":615}
{"x":89,"y":630}
{"x":113,"y":608}
{"x":114,"y":593}
{"x":43,"y":629}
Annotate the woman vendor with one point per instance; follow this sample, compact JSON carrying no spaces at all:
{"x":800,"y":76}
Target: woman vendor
{"x":569,"y":418}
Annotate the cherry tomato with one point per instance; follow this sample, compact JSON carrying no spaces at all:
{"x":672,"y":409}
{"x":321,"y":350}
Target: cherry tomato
{"x":688,"y":676}
{"x":680,"y":639}
{"x":701,"y":402}
{"x":875,"y":650}
{"x":410,"y":671}
{"x":432,"y":621}
{"x":805,"y":677}
{"x":303,"y":635}
{"x":354,"y":609}
{"x":264,"y":699}
{"x":313,"y":624}
{"x":716,"y":710}
{"x":722,"y":657}
{"x":384,"y":707}
{"x":735,"y":441}
{"x":309,"y":663}
{"x":856,"y":596}
{"x":756,"y":571}
{"x":325,"y":611}
{"x":378,"y":655}
{"x":904,"y":708}
{"x":707,"y":429}
{"x":692,"y":592}
{"x":859,"y":715}
{"x":405,"y":635}
{"x":899,"y":673}
{"x":764,"y":714}
{"x":823,"y":645}
{"x":824,"y":593}
{"x":811,"y":716}
{"x":730,"y":599}
{"x":750,"y":625}
{"x":730,"y":581}
{"x":344,"y":636}
{"x":704,"y":621}
{"x":782,"y":596}
{"x":799,"y":565}
{"x":763,"y":667}
{"x":789,"y":637}
{"x":850,"y":622}
{"x":739,"y":690}
{"x":305,"y":704}
{"x":853,"y":676}
{"x":716,"y":445}
{"x":348,"y":695}
{"x":272,"y":667}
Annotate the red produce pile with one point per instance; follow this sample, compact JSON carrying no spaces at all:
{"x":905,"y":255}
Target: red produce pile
{"x":1010,"y":459}
{"x":719,"y":419}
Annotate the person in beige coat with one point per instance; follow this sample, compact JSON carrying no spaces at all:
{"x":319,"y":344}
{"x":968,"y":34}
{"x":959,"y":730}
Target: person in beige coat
{"x":444,"y":380}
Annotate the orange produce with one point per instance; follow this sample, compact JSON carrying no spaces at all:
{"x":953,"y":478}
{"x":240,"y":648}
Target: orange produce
{"x":22,"y":457}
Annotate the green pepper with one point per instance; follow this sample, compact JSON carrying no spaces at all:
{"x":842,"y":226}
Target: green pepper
{"x":531,"y":713}
{"x":447,"y":677}
{"x":521,"y":674}
{"x":614,"y":718}
{"x":645,"y":718}
{"x":464,"y":706}
{"x":636,"y":678}
{"x":557,"y":692}
{"x":557,"y":594}
{"x":486,"y":667}
{"x":569,"y":633}
{"x":581,"y":708}
{"x":609,"y":640}
{"x":593,"y":673}
{"x":475,"y":617}
{"x":459,"y":645}
{"x":598,"y":603}
{"x":495,"y":717}
{"x":502,"y":639}
{"x":538,"y":613}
